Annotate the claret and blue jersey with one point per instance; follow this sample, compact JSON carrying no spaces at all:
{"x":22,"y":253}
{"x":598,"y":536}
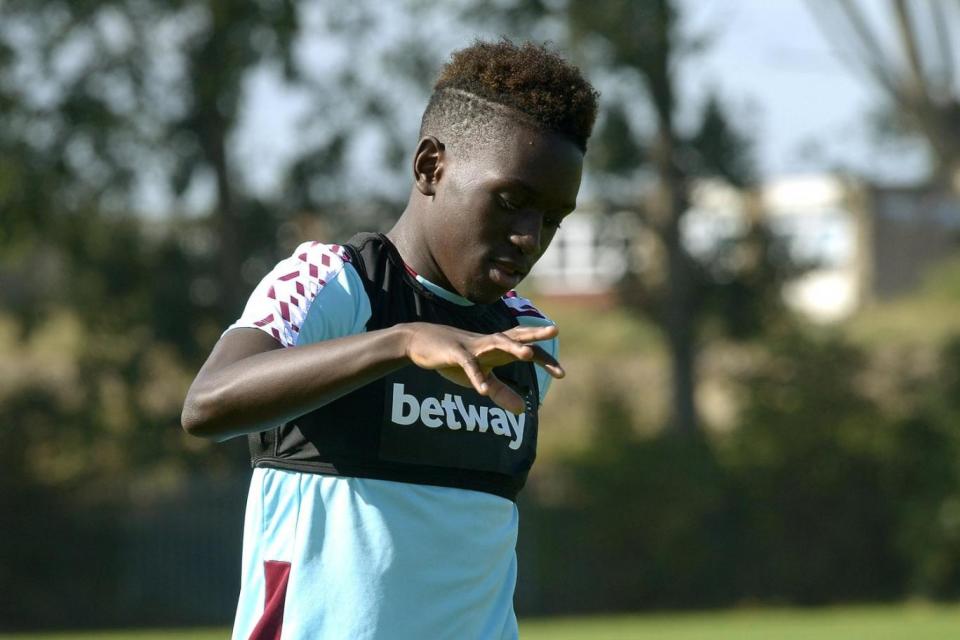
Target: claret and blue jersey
{"x":413,"y":540}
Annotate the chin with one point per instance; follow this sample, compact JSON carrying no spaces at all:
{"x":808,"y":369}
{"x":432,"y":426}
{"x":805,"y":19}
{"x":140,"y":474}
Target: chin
{"x":485,"y":297}
{"x":484,"y":294}
{"x":487,"y":300}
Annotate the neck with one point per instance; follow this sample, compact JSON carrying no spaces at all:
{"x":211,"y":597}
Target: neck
{"x":411,"y":242}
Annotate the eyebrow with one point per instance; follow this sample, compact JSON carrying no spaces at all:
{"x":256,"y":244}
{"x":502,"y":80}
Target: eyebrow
{"x":522,"y":184}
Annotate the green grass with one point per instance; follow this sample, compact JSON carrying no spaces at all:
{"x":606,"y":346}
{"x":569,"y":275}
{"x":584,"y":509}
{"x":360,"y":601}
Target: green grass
{"x":925,"y":316}
{"x":868,"y":623}
{"x":585,"y":330}
{"x":908,"y":622}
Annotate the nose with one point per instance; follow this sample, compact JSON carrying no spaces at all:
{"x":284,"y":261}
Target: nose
{"x":527,"y":232}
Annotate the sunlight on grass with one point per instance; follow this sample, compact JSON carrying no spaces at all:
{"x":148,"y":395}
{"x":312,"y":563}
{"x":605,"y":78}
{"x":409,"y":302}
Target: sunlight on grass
{"x":869,"y":623}
{"x":901,"y":622}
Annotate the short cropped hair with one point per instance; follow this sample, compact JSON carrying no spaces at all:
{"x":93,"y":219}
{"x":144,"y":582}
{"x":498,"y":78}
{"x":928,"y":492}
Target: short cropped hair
{"x":489,"y":83}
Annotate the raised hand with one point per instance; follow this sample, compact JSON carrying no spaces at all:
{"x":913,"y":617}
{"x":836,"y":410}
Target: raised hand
{"x":468,"y":358}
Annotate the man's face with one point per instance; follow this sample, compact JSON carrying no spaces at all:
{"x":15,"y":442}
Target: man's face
{"x":498,"y":207}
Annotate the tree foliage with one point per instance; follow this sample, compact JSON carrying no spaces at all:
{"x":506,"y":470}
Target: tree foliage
{"x":99,"y":101}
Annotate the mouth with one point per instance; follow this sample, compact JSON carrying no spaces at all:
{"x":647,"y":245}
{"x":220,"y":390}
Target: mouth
{"x":506,"y":273}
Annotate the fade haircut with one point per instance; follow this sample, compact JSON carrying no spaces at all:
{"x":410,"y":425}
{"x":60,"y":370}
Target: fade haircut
{"x":490,"y":85}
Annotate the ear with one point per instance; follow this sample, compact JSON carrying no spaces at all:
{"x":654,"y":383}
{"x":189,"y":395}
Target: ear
{"x":428,"y":165}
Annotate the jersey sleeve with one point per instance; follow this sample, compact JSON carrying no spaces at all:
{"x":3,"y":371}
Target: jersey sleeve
{"x":528,"y":315}
{"x":313,"y":295}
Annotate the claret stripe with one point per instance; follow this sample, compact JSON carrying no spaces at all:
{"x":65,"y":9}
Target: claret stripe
{"x":276,"y":577}
{"x":284,"y":297}
{"x":520,"y":306}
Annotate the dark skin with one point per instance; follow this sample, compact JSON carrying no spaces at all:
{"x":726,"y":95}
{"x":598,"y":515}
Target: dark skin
{"x":475,"y":223}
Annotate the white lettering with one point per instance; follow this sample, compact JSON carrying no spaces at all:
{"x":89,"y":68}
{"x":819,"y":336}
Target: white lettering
{"x":402,"y":400}
{"x":430,"y":413}
{"x":516,"y":421}
{"x":407,"y":409}
{"x":498,"y":420}
{"x":471,"y":416}
{"x":449,"y":407}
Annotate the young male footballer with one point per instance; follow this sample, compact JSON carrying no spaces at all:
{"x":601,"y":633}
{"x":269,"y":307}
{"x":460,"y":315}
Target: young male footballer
{"x":389,"y":386}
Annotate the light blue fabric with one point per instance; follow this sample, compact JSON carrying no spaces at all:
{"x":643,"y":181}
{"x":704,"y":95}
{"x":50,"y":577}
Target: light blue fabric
{"x":552,"y":347}
{"x":443,"y":293}
{"x":374,"y":559}
{"x":380,"y":560}
{"x":341,"y":308}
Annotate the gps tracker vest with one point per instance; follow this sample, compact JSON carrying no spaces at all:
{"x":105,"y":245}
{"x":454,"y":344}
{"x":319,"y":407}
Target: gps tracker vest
{"x":414,"y":425}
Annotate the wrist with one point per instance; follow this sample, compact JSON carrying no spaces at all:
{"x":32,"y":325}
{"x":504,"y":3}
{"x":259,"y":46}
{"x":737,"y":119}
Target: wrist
{"x":402,"y":336}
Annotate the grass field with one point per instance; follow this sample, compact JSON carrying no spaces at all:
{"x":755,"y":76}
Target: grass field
{"x":908,"y":622}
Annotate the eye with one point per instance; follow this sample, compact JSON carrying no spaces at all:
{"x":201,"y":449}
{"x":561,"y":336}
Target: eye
{"x":552,"y":221}
{"x":506,"y":203}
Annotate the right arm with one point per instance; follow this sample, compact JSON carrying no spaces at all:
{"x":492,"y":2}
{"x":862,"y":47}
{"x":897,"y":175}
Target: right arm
{"x":251,"y":382}
{"x":259,"y":375}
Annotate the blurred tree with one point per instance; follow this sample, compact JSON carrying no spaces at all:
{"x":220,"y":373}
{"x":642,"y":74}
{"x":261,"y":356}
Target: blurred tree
{"x":644,"y":42}
{"x":234,"y":39}
{"x":916,"y":71}
{"x":100,"y":103}
{"x":661,"y":501}
{"x":924,"y":476}
{"x":101,"y":98}
{"x":808,"y":461}
{"x":105,"y":314}
{"x":365,"y":112}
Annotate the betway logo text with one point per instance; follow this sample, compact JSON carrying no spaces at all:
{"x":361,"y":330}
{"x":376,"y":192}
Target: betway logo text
{"x":452,"y":412}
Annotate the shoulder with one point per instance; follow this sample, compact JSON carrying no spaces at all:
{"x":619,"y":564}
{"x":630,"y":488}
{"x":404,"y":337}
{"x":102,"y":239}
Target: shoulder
{"x":524,"y":310}
{"x":296,"y":281}
{"x":528,"y":315}
{"x":315,"y":262}
{"x":281,"y":302}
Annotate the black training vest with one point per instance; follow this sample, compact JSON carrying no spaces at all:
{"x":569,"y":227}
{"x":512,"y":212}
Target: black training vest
{"x":413,"y":425}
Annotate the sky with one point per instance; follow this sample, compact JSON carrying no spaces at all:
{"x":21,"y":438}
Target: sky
{"x":808,"y":110}
{"x":804,"y":108}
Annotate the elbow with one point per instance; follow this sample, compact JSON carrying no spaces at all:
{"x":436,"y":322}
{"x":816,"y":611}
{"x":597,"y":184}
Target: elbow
{"x":191,"y":421}
{"x":198,"y":417}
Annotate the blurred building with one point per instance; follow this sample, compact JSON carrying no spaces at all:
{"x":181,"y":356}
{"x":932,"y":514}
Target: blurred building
{"x":851,"y":241}
{"x":821,"y":221}
{"x":911,"y":228}
{"x":592,"y":250}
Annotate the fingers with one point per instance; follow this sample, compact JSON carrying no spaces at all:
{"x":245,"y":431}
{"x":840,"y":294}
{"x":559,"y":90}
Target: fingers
{"x":504,"y":396}
{"x":491,"y":386}
{"x":475,"y":374}
{"x":474,"y":355}
{"x":506,"y":344}
{"x":504,"y":347}
{"x":532,"y":334}
{"x":550,"y":364}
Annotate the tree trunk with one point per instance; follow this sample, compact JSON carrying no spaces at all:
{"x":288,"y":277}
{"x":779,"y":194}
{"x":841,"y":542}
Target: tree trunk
{"x":677,"y":320}
{"x":228,"y":256}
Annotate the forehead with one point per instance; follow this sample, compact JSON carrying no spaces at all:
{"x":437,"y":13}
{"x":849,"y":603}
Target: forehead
{"x":547,"y":161}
